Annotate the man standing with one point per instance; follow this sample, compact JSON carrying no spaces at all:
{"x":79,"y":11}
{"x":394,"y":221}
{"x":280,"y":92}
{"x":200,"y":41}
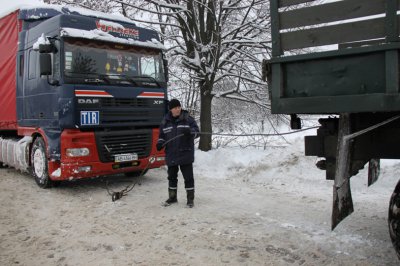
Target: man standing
{"x":177,"y":133}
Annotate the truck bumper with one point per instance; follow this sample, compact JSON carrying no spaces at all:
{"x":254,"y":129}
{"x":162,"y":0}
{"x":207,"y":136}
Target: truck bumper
{"x":70,"y":168}
{"x":70,"y":171}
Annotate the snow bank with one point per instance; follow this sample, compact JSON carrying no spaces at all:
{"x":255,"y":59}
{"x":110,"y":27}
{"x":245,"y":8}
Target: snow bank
{"x":285,"y":167}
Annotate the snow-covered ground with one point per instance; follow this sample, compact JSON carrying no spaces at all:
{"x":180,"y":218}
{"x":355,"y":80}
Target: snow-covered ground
{"x":252,"y":207}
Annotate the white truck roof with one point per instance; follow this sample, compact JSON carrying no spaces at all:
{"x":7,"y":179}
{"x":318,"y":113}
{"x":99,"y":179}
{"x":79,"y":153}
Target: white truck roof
{"x":11,"y":6}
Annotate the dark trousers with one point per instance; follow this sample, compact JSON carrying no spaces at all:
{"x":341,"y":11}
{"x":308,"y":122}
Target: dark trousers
{"x":187,"y":172}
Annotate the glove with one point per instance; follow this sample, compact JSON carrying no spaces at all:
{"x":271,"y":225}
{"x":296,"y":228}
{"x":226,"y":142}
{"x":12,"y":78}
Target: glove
{"x":159,"y":146}
{"x":186,"y":132}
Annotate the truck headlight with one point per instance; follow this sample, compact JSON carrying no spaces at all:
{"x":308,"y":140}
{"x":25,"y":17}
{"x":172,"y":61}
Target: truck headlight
{"x":76,"y":152}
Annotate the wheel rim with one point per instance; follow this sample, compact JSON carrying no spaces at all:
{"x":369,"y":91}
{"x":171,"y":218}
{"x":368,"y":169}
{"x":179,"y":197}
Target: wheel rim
{"x":39,"y":163}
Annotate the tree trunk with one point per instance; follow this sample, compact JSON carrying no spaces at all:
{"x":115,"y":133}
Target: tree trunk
{"x":205,"y":143}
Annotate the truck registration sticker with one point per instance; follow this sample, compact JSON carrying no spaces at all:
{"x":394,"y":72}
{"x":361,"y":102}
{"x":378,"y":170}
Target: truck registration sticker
{"x":90,"y":118}
{"x":126,"y":157}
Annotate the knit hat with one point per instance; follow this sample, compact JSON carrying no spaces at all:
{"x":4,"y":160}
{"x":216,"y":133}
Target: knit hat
{"x":173,"y":103}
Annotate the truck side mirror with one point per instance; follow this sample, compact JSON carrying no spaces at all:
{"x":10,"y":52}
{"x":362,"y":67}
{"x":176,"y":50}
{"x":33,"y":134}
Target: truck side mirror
{"x":47,"y":48}
{"x":165,"y":61}
{"x":45,"y":64}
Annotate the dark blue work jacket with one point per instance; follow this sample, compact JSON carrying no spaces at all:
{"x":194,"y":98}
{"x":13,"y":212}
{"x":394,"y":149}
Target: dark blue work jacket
{"x":179,"y":151}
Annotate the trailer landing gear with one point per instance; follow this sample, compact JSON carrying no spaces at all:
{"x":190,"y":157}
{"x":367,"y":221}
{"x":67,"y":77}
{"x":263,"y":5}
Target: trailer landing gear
{"x":342,"y":200}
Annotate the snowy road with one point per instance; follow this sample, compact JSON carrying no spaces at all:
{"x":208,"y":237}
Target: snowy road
{"x":234,"y":222}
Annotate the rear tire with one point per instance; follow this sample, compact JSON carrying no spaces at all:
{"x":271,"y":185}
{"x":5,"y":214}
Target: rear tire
{"x":136,"y":173}
{"x":394,"y":219}
{"x":39,"y":164}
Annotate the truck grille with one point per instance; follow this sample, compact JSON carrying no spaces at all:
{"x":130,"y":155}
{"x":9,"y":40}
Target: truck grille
{"x":111,"y":143}
{"x":112,"y":102}
{"x":119,"y":112}
{"x":131,"y":117}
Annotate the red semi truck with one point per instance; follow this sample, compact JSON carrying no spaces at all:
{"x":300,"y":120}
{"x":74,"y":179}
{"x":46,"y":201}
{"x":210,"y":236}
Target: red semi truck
{"x":82,"y":94}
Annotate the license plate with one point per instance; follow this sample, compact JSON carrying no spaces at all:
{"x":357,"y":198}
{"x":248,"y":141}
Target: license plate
{"x":126,"y":157}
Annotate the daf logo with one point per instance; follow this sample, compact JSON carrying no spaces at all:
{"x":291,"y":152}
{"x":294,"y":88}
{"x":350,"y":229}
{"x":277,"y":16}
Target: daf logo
{"x":88,"y":101}
{"x":158,"y":102}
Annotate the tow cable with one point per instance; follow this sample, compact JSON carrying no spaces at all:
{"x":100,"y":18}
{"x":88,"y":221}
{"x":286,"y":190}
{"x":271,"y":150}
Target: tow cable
{"x":116,"y":195}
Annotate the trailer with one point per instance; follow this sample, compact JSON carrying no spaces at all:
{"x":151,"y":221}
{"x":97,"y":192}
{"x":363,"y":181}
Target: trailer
{"x":82,"y":94}
{"x":340,"y":58}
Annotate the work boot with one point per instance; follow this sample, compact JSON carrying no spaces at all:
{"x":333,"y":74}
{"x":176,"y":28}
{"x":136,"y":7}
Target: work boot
{"x":190,"y":198}
{"x":171,"y":197}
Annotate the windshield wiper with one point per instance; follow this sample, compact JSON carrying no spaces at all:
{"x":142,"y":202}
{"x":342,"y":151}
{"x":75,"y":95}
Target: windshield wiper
{"x":97,"y":78}
{"x":109,"y":78}
{"x":147,"y":77}
{"x":119,"y":77}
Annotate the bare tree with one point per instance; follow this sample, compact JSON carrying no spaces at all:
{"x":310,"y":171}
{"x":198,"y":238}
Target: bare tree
{"x":217,"y":43}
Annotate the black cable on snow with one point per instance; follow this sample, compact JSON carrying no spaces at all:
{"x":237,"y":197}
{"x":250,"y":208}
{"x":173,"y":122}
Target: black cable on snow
{"x":116,"y":195}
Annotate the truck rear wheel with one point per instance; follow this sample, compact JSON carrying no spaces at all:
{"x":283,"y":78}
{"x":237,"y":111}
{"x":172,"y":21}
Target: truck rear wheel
{"x":394,"y":219}
{"x":40,"y":164}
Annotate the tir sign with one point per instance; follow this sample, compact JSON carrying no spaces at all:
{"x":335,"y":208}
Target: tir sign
{"x":89,"y":118}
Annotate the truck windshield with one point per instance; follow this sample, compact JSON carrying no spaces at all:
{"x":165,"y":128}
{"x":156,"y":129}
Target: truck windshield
{"x":88,"y":60}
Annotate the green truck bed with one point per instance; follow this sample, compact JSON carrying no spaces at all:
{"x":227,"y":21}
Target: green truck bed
{"x":360,"y":73}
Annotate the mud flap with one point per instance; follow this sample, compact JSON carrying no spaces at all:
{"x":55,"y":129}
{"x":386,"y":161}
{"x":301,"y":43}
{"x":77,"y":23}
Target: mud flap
{"x":342,"y":203}
{"x":342,"y":200}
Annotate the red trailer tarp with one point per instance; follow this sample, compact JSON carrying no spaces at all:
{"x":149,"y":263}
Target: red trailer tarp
{"x":9,"y":29}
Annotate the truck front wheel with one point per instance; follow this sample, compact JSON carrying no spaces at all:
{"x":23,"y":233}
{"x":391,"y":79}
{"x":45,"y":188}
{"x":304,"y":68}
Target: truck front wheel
{"x":39,"y":164}
{"x":394,"y":219}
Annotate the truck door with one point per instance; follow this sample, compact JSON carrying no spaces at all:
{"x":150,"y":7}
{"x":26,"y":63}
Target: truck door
{"x":40,"y":101}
